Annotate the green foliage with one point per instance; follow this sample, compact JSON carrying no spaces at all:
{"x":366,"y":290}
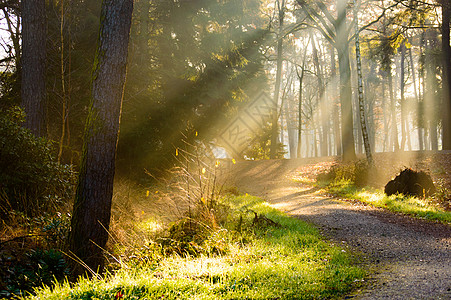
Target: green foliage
{"x":31,"y":179}
{"x":192,"y":64}
{"x":35,"y":269}
{"x":425,"y":208}
{"x":260,"y":147}
{"x":287,"y":261}
{"x":359,"y":173}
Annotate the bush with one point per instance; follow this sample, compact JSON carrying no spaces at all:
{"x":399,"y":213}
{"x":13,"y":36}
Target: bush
{"x":359,"y":173}
{"x":35,"y":269}
{"x":31,"y":180}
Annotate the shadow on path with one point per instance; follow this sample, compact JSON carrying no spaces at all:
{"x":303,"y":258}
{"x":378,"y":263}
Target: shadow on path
{"x":412,"y":258}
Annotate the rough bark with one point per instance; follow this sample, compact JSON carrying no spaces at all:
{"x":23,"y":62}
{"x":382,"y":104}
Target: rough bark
{"x":33,"y":59}
{"x":92,"y":207}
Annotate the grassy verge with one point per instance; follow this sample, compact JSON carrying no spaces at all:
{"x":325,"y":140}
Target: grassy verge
{"x":263,"y":260}
{"x":425,"y":208}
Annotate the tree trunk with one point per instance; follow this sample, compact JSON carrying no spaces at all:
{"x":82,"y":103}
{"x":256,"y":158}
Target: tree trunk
{"x":446,"y":50}
{"x":336,"y":112}
{"x":366,"y":140}
{"x":301,"y":79}
{"x":403,"y":100}
{"x":394,"y":126}
{"x":92,"y":207}
{"x":321,"y":100}
{"x":347,"y":124}
{"x":274,"y":129}
{"x":33,"y":65}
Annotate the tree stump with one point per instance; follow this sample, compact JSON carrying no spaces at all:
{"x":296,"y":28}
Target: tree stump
{"x":412,"y":183}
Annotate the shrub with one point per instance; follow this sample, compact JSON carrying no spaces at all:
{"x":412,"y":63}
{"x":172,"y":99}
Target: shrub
{"x":36,"y":268}
{"x":359,"y":173}
{"x":31,"y":180}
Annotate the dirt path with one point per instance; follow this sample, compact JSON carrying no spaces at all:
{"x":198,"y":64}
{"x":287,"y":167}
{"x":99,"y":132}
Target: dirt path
{"x":411,"y":259}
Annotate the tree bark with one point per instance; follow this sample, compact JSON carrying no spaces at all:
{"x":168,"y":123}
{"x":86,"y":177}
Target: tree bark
{"x":446,"y":52}
{"x":33,"y":59}
{"x":274,"y":127}
{"x":342,"y":45}
{"x":336,"y":112}
{"x":92,"y":207}
{"x":403,"y":100}
{"x":366,"y":140}
{"x":301,"y":79}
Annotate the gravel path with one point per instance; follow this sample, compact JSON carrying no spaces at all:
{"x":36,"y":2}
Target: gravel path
{"x":411,"y":259}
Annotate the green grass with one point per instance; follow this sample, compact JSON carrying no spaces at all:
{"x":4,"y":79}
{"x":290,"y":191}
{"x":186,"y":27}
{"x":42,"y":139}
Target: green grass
{"x":290,"y":261}
{"x":413,"y":206}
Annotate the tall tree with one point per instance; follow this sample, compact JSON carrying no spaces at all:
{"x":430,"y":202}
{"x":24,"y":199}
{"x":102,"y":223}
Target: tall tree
{"x":366,"y":140}
{"x":274,"y":127}
{"x":33,"y":65}
{"x":92,"y":207}
{"x":336,"y":31}
{"x":446,"y":54}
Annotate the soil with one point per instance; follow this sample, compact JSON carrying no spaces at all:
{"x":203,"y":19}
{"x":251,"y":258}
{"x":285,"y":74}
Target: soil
{"x":408,"y":258}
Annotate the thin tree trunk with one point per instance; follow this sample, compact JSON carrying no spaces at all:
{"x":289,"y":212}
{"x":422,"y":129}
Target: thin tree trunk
{"x":417,"y":98}
{"x":366,"y":140}
{"x":92,"y":206}
{"x":394,"y":140}
{"x":33,"y":65}
{"x":301,"y":79}
{"x":446,"y":50}
{"x":63,"y":85}
{"x":336,"y":112}
{"x":403,"y":100}
{"x":274,"y":129}
{"x":321,"y":104}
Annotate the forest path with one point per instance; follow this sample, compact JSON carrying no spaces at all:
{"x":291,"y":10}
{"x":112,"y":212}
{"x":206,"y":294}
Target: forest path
{"x":411,"y":259}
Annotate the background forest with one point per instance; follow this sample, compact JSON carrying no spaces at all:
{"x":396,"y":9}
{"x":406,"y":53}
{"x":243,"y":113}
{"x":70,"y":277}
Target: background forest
{"x":345,"y":78}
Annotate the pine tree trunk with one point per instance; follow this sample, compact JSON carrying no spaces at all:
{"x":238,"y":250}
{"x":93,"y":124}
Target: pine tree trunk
{"x":92,"y":207}
{"x":33,"y":65}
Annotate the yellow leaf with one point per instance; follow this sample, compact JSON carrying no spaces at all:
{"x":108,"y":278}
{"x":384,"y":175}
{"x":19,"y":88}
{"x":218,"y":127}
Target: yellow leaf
{"x":203,"y":200}
{"x":233,"y":161}
{"x":147,"y":193}
{"x":196,"y":133}
{"x":176,"y":152}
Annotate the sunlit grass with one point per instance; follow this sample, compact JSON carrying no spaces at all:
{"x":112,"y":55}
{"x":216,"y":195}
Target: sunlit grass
{"x":289,"y":261}
{"x":417,"y":207}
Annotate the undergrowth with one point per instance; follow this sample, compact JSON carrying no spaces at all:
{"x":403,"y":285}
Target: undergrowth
{"x":352,"y":181}
{"x":280,"y":257}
